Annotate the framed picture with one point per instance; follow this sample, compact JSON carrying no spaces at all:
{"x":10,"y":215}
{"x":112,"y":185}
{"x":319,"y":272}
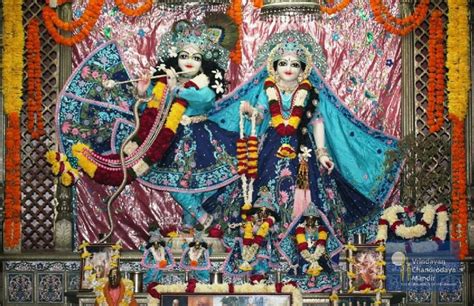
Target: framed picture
{"x":211,"y":299}
{"x":100,"y":260}
{"x":366,"y":269}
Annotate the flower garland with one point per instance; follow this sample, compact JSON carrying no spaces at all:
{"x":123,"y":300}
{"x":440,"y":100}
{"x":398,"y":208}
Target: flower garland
{"x":390,"y":219}
{"x":33,"y":68}
{"x":247,"y":158}
{"x":286,"y":126}
{"x":302,"y":245}
{"x":458,"y":86}
{"x":149,"y":145}
{"x":336,"y":8}
{"x":258,"y":3}
{"x":155,"y":290}
{"x":436,"y":83}
{"x":195,"y":256}
{"x":13,"y":43}
{"x":61,"y":167}
{"x":252,"y":243}
{"x":235,"y":12}
{"x":144,"y":8}
{"x":87,"y":20}
{"x":407,"y":24}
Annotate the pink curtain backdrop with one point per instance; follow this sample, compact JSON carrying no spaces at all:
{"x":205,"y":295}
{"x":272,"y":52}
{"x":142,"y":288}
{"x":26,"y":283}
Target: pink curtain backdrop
{"x":364,"y":69}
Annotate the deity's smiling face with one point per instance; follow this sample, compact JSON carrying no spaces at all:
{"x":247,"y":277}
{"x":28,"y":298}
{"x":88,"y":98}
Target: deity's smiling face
{"x":289,"y":68}
{"x":190,"y":60}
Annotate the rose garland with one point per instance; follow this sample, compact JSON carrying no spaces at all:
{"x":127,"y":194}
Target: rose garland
{"x":389,"y":219}
{"x":458,"y":86}
{"x":88,"y":19}
{"x":13,"y":43}
{"x":252,"y":243}
{"x":286,"y":126}
{"x":407,"y":24}
{"x":436,"y":83}
{"x":33,"y":68}
{"x":302,"y":245}
{"x":149,"y":145}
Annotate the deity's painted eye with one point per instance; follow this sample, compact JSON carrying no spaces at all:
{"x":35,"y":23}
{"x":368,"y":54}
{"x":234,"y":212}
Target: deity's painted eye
{"x":183,"y":55}
{"x":197,"y":57}
{"x":295,"y":65}
{"x":282,"y":63}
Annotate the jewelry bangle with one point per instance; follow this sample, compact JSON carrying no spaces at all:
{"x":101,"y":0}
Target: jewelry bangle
{"x":320,"y":152}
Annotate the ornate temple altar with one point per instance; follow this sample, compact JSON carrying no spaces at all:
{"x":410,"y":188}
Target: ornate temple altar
{"x":397,"y":138}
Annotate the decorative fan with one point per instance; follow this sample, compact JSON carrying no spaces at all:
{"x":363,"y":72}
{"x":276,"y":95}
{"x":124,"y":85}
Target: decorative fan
{"x":301,"y":9}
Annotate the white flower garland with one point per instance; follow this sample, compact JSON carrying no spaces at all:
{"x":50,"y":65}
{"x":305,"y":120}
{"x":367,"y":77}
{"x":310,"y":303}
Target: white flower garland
{"x":389,"y":219}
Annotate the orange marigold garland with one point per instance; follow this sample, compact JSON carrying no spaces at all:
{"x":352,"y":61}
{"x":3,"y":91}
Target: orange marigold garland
{"x":12,"y":226}
{"x":33,"y":68}
{"x":336,"y":8}
{"x":258,"y":3}
{"x":405,"y":25}
{"x":88,"y":19}
{"x":86,"y":22}
{"x":436,"y":82}
{"x":458,"y":192}
{"x":144,"y":8}
{"x":235,"y":12}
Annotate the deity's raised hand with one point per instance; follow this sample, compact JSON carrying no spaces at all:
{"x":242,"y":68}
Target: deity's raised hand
{"x":143,"y":84}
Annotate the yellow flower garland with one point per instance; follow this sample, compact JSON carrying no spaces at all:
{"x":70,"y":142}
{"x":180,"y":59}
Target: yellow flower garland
{"x":458,"y":86}
{"x":13,"y":43}
{"x":457,"y":60}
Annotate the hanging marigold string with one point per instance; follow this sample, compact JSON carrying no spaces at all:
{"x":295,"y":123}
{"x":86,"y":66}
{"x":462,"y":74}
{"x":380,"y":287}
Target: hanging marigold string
{"x":258,"y":3}
{"x":13,"y":44}
{"x":33,"y":68}
{"x":458,"y":86}
{"x":436,"y":82}
{"x":395,"y":25}
{"x":134,"y":12}
{"x":235,"y":12}
{"x":84,"y":24}
{"x":335,"y":8}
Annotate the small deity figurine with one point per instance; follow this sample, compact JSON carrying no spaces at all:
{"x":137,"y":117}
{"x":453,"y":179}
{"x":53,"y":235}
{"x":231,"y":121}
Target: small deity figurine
{"x":255,"y":255}
{"x":307,"y":249}
{"x":157,"y":258}
{"x":195,"y":259}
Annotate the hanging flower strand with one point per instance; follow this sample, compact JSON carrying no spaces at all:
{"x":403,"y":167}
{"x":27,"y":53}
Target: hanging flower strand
{"x":336,"y":8}
{"x":436,"y":82}
{"x":84,"y":24}
{"x":33,"y":68}
{"x":395,"y":25}
{"x":458,"y":86}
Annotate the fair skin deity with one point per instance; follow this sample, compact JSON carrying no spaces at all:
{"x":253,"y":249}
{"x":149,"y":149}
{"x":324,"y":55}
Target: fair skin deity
{"x":289,"y":69}
{"x":189,"y":61}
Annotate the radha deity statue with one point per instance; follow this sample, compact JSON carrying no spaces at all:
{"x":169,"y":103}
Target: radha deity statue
{"x":312,"y":148}
{"x":175,"y":147}
{"x":308,"y":246}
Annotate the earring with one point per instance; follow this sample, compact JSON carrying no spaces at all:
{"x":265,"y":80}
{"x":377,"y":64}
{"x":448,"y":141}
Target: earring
{"x":300,"y":78}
